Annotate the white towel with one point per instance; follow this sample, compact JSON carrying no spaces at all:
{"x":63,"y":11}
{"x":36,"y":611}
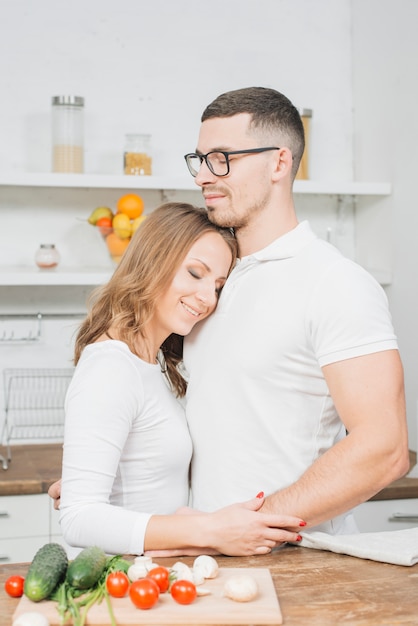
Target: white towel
{"x":399,"y":547}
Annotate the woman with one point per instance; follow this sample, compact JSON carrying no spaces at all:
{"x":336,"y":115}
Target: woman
{"x":126,"y":444}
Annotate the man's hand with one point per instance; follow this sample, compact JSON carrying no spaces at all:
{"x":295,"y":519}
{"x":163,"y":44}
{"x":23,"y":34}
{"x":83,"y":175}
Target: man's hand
{"x":54,"y":492}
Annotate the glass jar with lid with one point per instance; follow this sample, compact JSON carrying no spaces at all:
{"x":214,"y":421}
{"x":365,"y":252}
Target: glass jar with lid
{"x":137,"y":158}
{"x":303,"y":171}
{"x":47,"y":256}
{"x":67,"y":134}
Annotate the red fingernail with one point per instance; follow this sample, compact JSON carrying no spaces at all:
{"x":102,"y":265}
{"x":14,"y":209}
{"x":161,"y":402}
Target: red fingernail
{"x":299,"y":538}
{"x":302,"y":523}
{"x":260,"y":495}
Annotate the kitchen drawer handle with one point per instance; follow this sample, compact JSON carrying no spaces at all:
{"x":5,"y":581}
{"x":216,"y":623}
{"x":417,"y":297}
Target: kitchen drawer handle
{"x":4,"y":514}
{"x":404,"y":517}
{"x":4,"y":558}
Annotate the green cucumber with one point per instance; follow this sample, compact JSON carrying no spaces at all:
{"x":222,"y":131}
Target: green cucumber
{"x":87,"y":567}
{"x":46,"y":571}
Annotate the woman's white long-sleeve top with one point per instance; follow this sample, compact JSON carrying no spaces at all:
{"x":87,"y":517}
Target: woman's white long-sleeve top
{"x":127,"y":450}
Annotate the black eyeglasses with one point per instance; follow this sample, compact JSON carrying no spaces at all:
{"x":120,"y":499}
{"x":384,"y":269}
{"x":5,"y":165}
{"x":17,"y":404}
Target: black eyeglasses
{"x":218,"y":160}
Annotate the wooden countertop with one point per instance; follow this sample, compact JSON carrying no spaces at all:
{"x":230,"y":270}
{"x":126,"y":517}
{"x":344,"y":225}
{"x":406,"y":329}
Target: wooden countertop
{"x":313,"y":587}
{"x":34,"y":468}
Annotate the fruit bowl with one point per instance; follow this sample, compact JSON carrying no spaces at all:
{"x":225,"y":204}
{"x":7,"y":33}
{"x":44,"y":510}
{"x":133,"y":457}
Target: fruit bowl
{"x":117,"y":228}
{"x":116,"y":245}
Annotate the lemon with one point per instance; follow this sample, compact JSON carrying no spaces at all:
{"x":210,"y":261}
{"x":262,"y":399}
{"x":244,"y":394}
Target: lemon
{"x":122,"y":226}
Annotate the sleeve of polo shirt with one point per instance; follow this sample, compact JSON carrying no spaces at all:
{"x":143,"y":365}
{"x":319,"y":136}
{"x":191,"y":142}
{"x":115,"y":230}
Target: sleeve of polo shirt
{"x":349,"y":315}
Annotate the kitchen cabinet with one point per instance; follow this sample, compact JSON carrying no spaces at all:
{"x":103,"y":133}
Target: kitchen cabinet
{"x":52,"y":197}
{"x":382,"y":515}
{"x":28,"y":519}
{"x":27,"y":522}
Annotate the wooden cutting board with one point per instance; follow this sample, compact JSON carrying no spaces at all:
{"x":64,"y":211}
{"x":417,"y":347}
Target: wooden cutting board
{"x":210,"y":609}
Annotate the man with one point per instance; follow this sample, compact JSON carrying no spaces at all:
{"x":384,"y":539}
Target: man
{"x":296,"y":384}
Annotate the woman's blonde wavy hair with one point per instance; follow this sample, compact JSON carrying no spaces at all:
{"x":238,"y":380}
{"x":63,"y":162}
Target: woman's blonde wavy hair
{"x":148,"y":266}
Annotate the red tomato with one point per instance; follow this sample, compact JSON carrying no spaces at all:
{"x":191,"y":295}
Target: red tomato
{"x":183,"y":591}
{"x":117,"y":584}
{"x":144,"y":593}
{"x":14,"y":586}
{"x":161,"y":576}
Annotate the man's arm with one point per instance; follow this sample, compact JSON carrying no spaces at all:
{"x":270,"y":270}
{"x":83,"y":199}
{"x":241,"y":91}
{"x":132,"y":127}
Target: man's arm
{"x":368,"y":393}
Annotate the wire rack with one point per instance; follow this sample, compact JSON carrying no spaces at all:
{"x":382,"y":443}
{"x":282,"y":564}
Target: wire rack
{"x":34,"y":405}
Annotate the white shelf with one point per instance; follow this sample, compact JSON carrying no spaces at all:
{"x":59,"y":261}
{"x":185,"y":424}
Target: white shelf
{"x":186,"y":183}
{"x":32,"y":276}
{"x":97,"y":181}
{"x":27,"y":276}
{"x":341,"y":188}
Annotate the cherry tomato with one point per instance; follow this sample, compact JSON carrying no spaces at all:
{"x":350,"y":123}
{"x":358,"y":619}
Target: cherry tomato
{"x":14,"y":586}
{"x":144,"y":593}
{"x":117,"y":584}
{"x":161,"y":576}
{"x":183,"y":591}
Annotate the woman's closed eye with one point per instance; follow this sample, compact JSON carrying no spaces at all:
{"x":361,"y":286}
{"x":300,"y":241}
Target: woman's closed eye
{"x":195,"y":274}
{"x":199,"y":276}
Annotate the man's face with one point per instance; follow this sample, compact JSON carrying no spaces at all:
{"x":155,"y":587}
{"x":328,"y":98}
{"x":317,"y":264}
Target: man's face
{"x":238,"y":198}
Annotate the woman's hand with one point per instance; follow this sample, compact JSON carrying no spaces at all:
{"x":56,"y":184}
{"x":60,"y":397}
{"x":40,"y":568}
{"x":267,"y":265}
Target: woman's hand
{"x":240,"y":530}
{"x":235,"y":530}
{"x":54,"y":492}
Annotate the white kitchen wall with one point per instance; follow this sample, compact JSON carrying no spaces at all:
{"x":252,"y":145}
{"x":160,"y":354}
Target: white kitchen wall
{"x":153,"y":66}
{"x":385,"y":96}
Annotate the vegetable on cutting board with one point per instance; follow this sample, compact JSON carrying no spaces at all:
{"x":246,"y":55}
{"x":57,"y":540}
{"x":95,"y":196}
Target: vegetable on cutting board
{"x":140,"y":567}
{"x":241,"y":588}
{"x":76,"y":585}
{"x":14,"y":586}
{"x":46,"y":572}
{"x":206,"y":565}
{"x":31,"y":619}
{"x":86,"y":569}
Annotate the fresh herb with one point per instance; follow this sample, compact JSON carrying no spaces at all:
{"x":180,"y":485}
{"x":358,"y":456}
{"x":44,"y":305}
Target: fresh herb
{"x":74,"y":603}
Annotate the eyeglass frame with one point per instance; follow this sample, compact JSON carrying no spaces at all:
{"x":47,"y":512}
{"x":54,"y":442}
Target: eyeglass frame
{"x":204,"y":157}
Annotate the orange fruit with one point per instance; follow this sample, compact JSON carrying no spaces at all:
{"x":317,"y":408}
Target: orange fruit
{"x":116,"y":246}
{"x":131,"y":205}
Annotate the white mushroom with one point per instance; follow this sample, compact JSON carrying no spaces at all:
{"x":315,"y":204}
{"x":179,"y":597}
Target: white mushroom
{"x":203,"y":591}
{"x":207,"y":565}
{"x":182,"y":571}
{"x":140,"y":567}
{"x":31,"y":619}
{"x":142,"y":560}
{"x":241,"y":588}
{"x":198,"y":577}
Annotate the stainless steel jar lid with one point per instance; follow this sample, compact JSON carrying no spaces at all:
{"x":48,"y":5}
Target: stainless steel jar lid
{"x":305,"y":112}
{"x":69,"y":100}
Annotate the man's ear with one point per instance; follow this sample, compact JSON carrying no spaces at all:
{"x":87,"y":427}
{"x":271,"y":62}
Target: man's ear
{"x":283,"y":164}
